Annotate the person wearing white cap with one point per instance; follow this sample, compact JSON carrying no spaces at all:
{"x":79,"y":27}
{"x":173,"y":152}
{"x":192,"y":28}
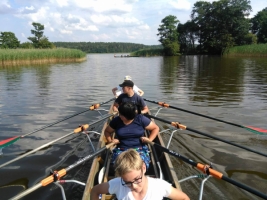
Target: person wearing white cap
{"x":129,"y":95}
{"x":118,"y":90}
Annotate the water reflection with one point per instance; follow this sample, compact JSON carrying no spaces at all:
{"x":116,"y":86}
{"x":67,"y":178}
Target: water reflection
{"x":218,"y":80}
{"x":43,"y":77}
{"x":168,"y":73}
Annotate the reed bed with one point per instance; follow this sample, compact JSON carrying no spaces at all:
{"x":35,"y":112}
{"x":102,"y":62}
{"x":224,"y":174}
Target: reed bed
{"x":40,"y":56}
{"x":253,"y":50}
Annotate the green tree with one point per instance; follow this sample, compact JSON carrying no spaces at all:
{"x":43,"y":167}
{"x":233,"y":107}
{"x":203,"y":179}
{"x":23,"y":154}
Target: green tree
{"x":169,"y":35}
{"x":187,"y":37}
{"x":39,"y":40}
{"x":26,"y":45}
{"x":221,"y":24}
{"x":45,"y":44}
{"x":251,"y":38}
{"x":259,"y":25}
{"x":8,"y":40}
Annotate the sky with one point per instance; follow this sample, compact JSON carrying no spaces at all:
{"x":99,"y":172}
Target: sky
{"x":133,"y":21}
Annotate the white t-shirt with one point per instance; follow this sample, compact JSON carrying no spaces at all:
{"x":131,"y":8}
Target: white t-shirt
{"x":119,"y":90}
{"x":157,"y":189}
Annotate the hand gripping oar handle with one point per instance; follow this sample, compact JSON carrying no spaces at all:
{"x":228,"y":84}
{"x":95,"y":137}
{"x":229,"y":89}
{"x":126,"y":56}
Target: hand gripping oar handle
{"x":77,"y":130}
{"x":249,"y":128}
{"x":181,"y":126}
{"x":58,"y":174}
{"x":207,"y":170}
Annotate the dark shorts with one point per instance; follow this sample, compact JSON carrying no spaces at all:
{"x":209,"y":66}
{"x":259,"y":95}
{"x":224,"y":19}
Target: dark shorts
{"x":143,"y":151}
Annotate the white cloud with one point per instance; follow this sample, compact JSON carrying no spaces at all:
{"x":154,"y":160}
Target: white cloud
{"x":66,"y":32}
{"x":96,"y":20}
{"x":101,"y":6}
{"x":62,"y":3}
{"x":181,"y":4}
{"x":5,"y":7}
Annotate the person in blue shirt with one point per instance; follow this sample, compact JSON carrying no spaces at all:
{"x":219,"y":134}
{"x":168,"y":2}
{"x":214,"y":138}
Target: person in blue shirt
{"x":129,"y":130}
{"x":130,"y":96}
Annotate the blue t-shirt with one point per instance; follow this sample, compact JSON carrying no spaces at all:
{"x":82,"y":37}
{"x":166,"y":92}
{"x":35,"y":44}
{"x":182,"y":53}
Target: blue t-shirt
{"x":129,"y":135}
{"x":136,"y":99}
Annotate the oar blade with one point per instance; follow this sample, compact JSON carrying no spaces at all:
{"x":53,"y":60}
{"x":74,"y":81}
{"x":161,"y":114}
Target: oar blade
{"x":256,"y":130}
{"x":7,"y":142}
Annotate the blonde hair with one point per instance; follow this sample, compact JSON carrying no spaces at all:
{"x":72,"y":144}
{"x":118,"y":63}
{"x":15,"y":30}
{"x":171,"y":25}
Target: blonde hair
{"x":127,"y":161}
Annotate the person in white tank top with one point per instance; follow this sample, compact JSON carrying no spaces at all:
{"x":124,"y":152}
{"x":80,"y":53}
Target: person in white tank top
{"x":118,"y":90}
{"x":132,"y":184}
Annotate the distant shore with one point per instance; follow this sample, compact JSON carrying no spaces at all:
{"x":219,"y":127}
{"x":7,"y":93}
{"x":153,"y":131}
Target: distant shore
{"x":10,"y":57}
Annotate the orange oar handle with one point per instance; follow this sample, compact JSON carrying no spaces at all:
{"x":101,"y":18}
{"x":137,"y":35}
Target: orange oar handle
{"x":163,"y":104}
{"x":51,"y":179}
{"x":94,"y":106}
{"x":206,"y":168}
{"x":81,"y":128}
{"x":178,"y":125}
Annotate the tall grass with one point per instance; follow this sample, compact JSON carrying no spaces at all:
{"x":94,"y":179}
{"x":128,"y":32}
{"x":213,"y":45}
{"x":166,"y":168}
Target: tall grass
{"x":248,"y":50}
{"x":40,"y":56}
{"x":148,"y":52}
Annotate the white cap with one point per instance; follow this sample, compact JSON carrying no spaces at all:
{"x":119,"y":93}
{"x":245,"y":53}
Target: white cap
{"x":127,"y":78}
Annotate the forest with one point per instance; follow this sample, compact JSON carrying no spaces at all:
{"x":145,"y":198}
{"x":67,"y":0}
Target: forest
{"x":106,"y":47}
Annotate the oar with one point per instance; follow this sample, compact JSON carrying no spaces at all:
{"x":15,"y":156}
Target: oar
{"x":77,"y":130}
{"x":102,"y":171}
{"x":9,"y":141}
{"x":58,"y":174}
{"x":208,"y":170}
{"x":181,"y":126}
{"x":252,"y":129}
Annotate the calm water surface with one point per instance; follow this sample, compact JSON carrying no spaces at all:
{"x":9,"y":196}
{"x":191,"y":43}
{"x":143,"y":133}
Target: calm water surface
{"x":231,"y":89}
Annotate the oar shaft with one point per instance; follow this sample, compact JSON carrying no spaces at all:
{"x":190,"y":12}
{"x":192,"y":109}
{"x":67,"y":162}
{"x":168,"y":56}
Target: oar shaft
{"x":49,"y":125}
{"x":191,"y":162}
{"x":225,"y":141}
{"x":88,"y":157}
{"x":49,"y":143}
{"x":191,"y":112}
{"x":211,"y":171}
{"x":61,"y":173}
{"x":34,"y":150}
{"x":208,"y":135}
{"x":245,"y":187}
{"x":28,"y":191}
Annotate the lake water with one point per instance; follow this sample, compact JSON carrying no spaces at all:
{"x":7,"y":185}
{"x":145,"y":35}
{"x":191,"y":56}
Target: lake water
{"x":231,"y":89}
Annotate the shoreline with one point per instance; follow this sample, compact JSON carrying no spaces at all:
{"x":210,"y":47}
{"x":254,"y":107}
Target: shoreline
{"x":15,"y":57}
{"x":5,"y":63}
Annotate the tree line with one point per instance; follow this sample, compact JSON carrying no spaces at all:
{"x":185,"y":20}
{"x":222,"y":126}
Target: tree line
{"x":106,"y":47}
{"x":8,"y":40}
{"x":214,"y":28}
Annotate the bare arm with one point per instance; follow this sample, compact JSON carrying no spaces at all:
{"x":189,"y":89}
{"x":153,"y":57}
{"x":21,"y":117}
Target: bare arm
{"x":141,"y":92}
{"x":177,"y":195}
{"x":114,"y":90}
{"x":145,"y":110}
{"x":99,"y":189}
{"x":108,"y":133}
{"x":115,"y":107}
{"x":154,"y":130}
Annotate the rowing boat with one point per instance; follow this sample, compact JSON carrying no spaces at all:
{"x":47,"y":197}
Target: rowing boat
{"x":101,"y":171}
{"x":160,"y":166}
